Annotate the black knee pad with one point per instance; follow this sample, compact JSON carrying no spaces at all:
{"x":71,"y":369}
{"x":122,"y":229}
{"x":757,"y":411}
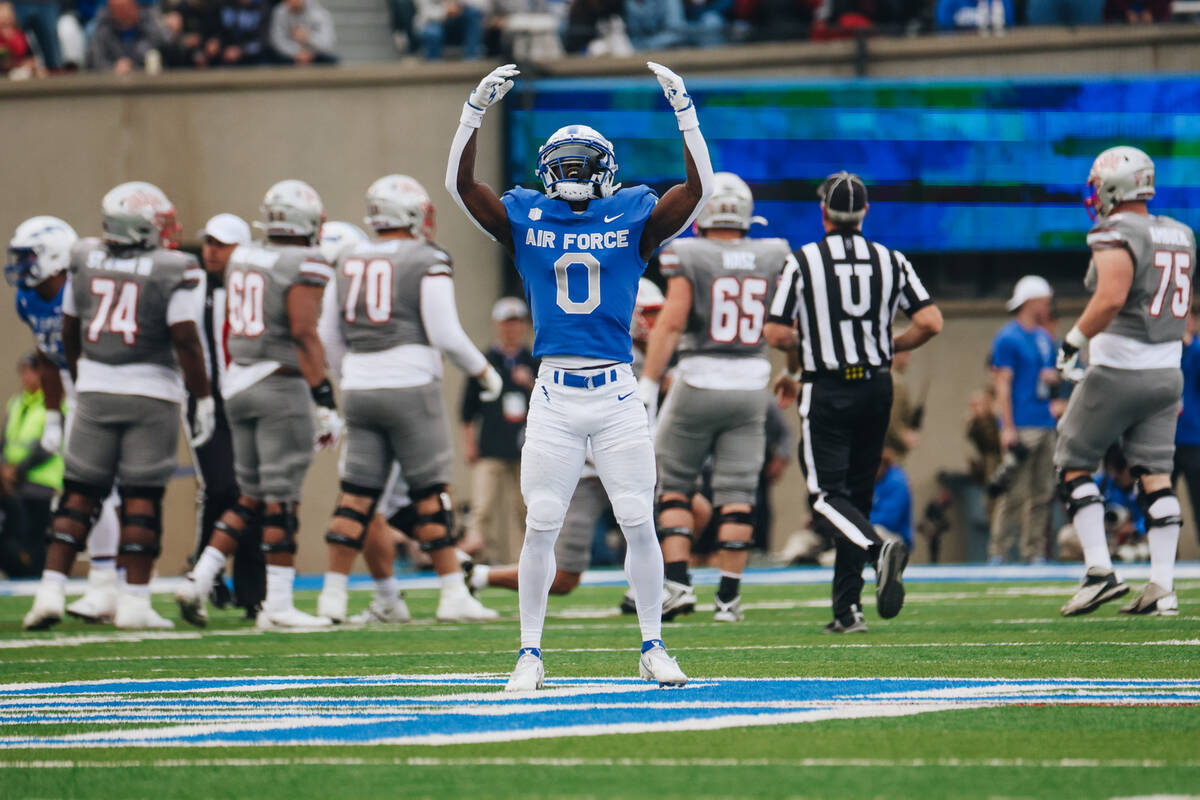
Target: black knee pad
{"x":248,"y":516}
{"x":151,"y":522}
{"x":1173,"y":516}
{"x":735,"y":517}
{"x":287,"y":521}
{"x":1077,"y":495}
{"x":664,"y":533}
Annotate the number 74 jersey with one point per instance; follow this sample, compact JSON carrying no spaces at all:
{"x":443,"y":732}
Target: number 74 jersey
{"x":731,"y":287}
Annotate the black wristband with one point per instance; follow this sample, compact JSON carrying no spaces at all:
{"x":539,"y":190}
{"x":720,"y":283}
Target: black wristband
{"x":322,"y":395}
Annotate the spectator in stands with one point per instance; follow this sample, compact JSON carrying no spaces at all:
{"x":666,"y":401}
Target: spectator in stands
{"x":493,"y":434}
{"x":772,"y":20}
{"x":520,"y":30}
{"x":707,"y":21}
{"x":891,"y":508}
{"x":1137,"y":12}
{"x":1187,"y":431}
{"x":1065,"y":12}
{"x":584,"y":19}
{"x":655,"y":24}
{"x":990,"y":15}
{"x":1024,"y":376}
{"x":238,"y":37}
{"x":302,"y":33}
{"x":124,"y":35}
{"x":190,"y":23}
{"x":404,"y":31}
{"x":16,"y":59}
{"x":442,"y":21}
{"x":40,"y":17}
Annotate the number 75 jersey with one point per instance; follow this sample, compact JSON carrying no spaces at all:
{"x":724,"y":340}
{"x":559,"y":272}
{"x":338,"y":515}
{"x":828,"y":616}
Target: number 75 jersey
{"x":731,"y":287}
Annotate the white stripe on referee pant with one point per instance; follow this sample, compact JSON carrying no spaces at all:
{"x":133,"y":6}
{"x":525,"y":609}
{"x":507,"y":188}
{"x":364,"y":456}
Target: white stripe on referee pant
{"x":848,"y":528}
{"x":810,"y":463}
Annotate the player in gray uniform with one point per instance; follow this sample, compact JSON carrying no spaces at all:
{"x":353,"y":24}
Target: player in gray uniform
{"x":1141,"y":283}
{"x":393,"y":315}
{"x":130,"y":309}
{"x":718,"y":285}
{"x":273,"y":303}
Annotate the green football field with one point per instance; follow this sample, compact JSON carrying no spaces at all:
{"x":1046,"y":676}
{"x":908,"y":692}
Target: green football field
{"x":975,"y":690}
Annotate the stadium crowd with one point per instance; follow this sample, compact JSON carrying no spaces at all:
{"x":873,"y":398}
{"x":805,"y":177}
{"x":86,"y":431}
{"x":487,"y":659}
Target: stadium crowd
{"x":44,"y":37}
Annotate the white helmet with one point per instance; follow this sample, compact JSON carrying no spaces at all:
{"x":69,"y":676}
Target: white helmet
{"x":1119,"y":174}
{"x":335,"y":236}
{"x":649,"y":299}
{"x":577,"y":163}
{"x":138,"y":214}
{"x":398,"y":202}
{"x":40,"y":249}
{"x":292,"y":208}
{"x":730,"y":206}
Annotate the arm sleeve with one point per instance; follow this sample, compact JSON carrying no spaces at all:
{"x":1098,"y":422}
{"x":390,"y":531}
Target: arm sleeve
{"x":784,"y":302}
{"x":445,"y":332}
{"x":461,"y":137}
{"x":693,"y":140}
{"x":187,"y":301}
{"x":68,"y":303}
{"x":329,"y":328}
{"x":913,"y":295}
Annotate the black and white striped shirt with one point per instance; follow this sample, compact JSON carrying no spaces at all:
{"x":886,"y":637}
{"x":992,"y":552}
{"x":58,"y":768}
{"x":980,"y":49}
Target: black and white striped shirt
{"x":842,"y":293}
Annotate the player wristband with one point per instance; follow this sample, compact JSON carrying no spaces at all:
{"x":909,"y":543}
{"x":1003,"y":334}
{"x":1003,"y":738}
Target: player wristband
{"x":687,"y":118}
{"x":794,"y":376}
{"x":472,"y":117}
{"x":1075,"y":338}
{"x":322,"y":395}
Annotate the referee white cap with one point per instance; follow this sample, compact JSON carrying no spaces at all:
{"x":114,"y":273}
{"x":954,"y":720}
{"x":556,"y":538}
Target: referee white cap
{"x":227,"y":229}
{"x":1030,"y":287}
{"x":844,"y":196}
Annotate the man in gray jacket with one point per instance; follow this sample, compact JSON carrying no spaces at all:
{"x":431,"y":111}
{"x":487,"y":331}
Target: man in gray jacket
{"x":302,"y":33}
{"x":125,"y":32}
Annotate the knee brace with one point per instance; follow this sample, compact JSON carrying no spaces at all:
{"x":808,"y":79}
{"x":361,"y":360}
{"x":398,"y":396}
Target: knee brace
{"x":664,"y":533}
{"x":1079,"y":493}
{"x":736,"y":518}
{"x":95,"y":495}
{"x":667,"y":503}
{"x":247,"y":515}
{"x":151,"y":522}
{"x":1161,"y":509}
{"x":362,"y":518}
{"x":444,"y":516}
{"x":286,"y":521}
{"x":404,"y":520}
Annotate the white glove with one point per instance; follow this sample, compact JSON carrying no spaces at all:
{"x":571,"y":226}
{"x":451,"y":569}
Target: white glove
{"x":492,"y":385}
{"x":1067,"y":361}
{"x":677,"y":96}
{"x":204,"y":422}
{"x":647,"y":392}
{"x":329,"y":428}
{"x":52,"y":433}
{"x":490,"y":90}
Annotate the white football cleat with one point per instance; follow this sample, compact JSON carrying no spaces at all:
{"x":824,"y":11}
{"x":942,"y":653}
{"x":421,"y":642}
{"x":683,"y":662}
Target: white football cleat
{"x":462,"y":607}
{"x":332,"y":603}
{"x":193,"y":602}
{"x":728,"y":612}
{"x":99,"y":602}
{"x":383,"y":614}
{"x":657,"y":665}
{"x":288,"y":619}
{"x":678,"y":598}
{"x":1099,"y":585}
{"x":529,"y":672}
{"x":47,"y":607}
{"x":1154,"y":601}
{"x":135,"y":614}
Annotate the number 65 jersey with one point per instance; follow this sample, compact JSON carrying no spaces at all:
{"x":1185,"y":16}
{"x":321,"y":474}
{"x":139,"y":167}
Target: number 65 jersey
{"x":722,"y":345}
{"x":125,"y":302}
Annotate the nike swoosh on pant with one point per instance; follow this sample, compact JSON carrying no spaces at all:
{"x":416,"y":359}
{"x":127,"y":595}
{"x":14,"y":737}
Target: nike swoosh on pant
{"x":624,"y":396}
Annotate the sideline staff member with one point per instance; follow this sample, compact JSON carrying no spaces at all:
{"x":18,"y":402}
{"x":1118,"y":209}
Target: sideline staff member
{"x":832,"y":312}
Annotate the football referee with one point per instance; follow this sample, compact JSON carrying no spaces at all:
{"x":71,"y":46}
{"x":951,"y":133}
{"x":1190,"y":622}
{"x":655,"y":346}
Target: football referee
{"x":832,"y":312}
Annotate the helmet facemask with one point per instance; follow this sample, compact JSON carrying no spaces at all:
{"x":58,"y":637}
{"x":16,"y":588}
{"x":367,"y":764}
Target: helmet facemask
{"x":576,"y":169}
{"x":22,"y":267}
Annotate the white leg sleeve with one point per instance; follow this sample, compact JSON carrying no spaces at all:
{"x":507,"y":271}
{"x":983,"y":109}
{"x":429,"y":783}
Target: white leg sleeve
{"x":1163,"y":539}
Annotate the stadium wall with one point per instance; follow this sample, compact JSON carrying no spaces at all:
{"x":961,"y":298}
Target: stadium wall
{"x":215,"y":141}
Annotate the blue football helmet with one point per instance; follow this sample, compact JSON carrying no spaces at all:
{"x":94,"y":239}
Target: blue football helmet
{"x":577,"y":163}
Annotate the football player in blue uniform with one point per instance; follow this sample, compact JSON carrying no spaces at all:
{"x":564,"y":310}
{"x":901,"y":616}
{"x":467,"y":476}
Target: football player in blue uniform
{"x":38,"y":256}
{"x":581,"y":247}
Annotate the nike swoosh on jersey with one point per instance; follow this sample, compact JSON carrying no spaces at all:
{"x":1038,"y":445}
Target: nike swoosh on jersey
{"x":623,"y":396}
{"x":608,"y":219}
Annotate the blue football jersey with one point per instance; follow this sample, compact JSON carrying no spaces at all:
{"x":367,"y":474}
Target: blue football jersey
{"x":44,"y":318}
{"x":580,"y":271}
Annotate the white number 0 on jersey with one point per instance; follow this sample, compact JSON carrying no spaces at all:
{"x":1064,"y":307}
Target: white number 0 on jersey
{"x":563,"y":297}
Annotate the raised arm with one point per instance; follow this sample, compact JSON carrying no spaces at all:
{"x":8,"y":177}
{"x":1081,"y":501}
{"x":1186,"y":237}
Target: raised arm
{"x":478,"y":199}
{"x":681,"y":203}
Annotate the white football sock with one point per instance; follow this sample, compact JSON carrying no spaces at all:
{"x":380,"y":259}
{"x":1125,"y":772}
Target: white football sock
{"x":336,"y":582}
{"x":479,"y":576}
{"x":54,"y":578}
{"x":1089,"y":524}
{"x":208,"y":566}
{"x":535,"y":574}
{"x":453,"y":583}
{"x":387,"y":590}
{"x":141,"y":590}
{"x":1163,"y":541}
{"x":105,"y":535}
{"x":102,"y":564}
{"x":644,"y":571}
{"x":279,"y":588}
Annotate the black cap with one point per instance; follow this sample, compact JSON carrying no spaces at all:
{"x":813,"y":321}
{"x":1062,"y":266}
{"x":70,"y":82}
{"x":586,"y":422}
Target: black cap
{"x":844,"y":195}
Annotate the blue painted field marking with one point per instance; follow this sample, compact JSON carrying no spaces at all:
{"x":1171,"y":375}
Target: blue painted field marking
{"x":177,"y":712}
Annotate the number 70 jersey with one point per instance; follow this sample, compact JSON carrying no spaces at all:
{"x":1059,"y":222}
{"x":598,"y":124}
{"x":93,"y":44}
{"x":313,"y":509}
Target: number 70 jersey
{"x":731,"y":287}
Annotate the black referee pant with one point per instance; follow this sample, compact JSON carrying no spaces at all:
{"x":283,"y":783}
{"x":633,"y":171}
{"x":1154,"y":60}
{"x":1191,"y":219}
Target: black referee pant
{"x":218,"y":493}
{"x":842,"y":425}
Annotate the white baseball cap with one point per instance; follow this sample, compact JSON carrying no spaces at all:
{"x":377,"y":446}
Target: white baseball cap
{"x":509,"y":308}
{"x":1029,"y":287}
{"x":227,"y":229}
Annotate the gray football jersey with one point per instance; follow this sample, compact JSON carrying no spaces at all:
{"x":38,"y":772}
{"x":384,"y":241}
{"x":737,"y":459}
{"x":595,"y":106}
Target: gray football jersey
{"x":1164,"y":254}
{"x":121,"y":300}
{"x":257,"y":281}
{"x":379,"y":292}
{"x":731,"y":286}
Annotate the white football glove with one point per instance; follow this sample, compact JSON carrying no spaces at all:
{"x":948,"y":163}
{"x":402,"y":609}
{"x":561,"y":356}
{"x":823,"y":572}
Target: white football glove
{"x":52,"y":433}
{"x":490,"y":90}
{"x":647,"y":391}
{"x":492,"y":385}
{"x":1067,"y":360}
{"x":672,"y":86}
{"x":204,"y":422}
{"x":329,"y":428}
